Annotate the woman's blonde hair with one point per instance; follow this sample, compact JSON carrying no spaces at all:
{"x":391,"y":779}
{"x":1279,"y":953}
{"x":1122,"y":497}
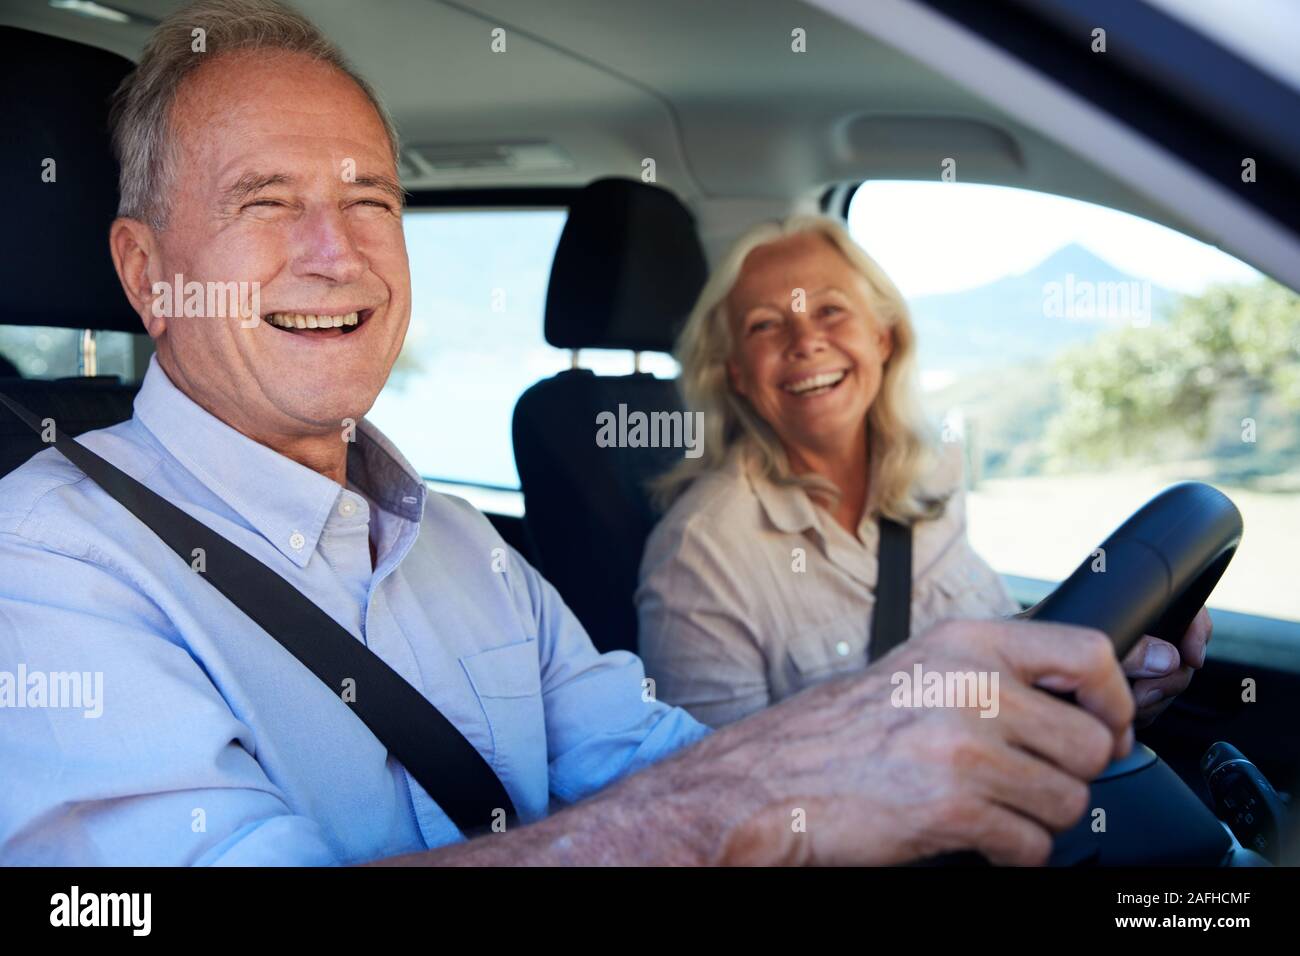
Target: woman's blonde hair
{"x":901,"y":442}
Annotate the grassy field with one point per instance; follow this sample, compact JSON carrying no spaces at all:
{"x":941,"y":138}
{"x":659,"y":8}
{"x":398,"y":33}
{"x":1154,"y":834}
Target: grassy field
{"x":1043,"y":527}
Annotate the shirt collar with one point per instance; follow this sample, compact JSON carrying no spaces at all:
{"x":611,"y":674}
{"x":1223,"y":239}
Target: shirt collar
{"x":790,"y":508}
{"x":787,"y":507}
{"x":285,"y":502}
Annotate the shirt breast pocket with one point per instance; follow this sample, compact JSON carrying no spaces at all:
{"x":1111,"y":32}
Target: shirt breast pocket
{"x":964,"y":588}
{"x":828,"y":650}
{"x":507,"y":682}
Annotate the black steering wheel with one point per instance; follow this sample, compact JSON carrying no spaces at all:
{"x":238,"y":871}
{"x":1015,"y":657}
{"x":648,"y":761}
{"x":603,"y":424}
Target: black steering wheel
{"x":1150,"y":576}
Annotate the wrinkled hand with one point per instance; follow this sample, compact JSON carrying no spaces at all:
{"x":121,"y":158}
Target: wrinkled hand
{"x":875,"y":782}
{"x":1163,"y":670}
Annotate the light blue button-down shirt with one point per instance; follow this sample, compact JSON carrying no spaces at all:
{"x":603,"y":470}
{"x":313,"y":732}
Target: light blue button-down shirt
{"x":145,"y":720}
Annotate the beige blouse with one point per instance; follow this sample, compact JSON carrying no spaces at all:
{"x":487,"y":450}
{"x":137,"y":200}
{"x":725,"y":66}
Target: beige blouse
{"x":750,"y":592}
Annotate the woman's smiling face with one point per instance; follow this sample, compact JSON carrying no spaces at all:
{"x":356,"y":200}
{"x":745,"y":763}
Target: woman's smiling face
{"x":808,"y":352}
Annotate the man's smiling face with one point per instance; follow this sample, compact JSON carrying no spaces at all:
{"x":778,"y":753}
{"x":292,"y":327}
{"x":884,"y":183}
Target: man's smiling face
{"x":281,"y":174}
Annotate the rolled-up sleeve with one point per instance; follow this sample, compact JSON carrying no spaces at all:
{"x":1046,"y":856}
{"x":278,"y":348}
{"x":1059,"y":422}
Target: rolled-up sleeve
{"x":603,"y":721}
{"x":144,"y":764}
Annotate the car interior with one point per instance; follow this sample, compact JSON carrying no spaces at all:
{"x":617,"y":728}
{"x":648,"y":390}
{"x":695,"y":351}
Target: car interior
{"x":661,"y":131}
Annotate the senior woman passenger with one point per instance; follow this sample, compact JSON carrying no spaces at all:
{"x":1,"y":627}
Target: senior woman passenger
{"x":761,"y":578}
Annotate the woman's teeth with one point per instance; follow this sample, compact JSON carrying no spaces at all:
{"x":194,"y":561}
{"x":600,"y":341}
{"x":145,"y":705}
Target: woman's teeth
{"x":300,"y":320}
{"x":816,"y":384}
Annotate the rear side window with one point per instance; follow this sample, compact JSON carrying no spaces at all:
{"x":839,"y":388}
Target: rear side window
{"x":478,"y":290}
{"x":42,"y":352}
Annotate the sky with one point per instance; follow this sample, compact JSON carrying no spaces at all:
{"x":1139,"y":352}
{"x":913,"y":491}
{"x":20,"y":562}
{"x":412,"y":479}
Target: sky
{"x":936,"y":237}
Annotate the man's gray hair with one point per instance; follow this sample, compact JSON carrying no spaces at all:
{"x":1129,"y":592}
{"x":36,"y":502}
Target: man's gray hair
{"x":141,"y":115}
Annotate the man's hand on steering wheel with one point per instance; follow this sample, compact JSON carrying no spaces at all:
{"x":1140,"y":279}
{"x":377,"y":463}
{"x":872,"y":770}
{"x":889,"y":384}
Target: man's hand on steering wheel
{"x":1162,"y":671}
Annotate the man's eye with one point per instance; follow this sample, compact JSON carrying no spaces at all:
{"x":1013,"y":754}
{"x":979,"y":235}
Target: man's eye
{"x":263,"y":202}
{"x":373,"y":203}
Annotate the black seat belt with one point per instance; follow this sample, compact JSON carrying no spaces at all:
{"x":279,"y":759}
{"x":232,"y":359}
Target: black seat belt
{"x":427,"y":744}
{"x":891,"y":619}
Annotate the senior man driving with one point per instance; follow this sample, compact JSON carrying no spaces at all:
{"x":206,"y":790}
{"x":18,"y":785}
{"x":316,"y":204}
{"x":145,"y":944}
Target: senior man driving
{"x":262,"y":158}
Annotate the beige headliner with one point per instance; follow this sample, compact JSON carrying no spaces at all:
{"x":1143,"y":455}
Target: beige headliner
{"x":738,"y":125}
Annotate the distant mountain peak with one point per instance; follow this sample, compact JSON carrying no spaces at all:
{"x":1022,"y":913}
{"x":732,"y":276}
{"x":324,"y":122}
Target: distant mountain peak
{"x":1030,"y":316}
{"x":1077,"y":259}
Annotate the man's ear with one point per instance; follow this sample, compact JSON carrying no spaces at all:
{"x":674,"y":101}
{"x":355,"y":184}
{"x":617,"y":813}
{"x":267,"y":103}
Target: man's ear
{"x":134,"y":248}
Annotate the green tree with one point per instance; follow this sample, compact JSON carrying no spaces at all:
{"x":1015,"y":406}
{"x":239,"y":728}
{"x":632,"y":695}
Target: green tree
{"x":1127,"y":390}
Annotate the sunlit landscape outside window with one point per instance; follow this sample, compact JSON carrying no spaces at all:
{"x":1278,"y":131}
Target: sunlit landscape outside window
{"x":1087,"y":359}
{"x":478,"y":288}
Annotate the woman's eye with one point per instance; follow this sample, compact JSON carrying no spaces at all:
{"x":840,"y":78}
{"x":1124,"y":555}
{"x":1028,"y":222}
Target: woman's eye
{"x":831,"y":310}
{"x":762,"y":325}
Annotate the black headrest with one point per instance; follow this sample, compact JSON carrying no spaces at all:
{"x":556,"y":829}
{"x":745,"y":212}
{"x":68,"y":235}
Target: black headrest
{"x":627,"y":270}
{"x":54,"y":101}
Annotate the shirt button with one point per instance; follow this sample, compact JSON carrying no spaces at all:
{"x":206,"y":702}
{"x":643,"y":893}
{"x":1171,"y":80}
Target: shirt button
{"x":347,"y":507}
{"x":297,"y":541}
{"x":842,"y":648}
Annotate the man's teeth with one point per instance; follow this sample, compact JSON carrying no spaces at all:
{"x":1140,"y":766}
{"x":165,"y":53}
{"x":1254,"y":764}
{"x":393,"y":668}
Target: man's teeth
{"x":301,"y":320}
{"x":813,"y":382}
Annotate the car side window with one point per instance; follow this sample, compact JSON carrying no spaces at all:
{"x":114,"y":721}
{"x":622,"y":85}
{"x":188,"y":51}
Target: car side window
{"x":475,"y":343}
{"x":42,"y":352}
{"x":1087,"y":359}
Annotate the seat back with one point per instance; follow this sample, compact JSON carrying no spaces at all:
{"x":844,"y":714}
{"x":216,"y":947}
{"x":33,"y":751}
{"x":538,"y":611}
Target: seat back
{"x":627,"y":271}
{"x":74,"y":406}
{"x":57,"y":162}
{"x":62,"y":185}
